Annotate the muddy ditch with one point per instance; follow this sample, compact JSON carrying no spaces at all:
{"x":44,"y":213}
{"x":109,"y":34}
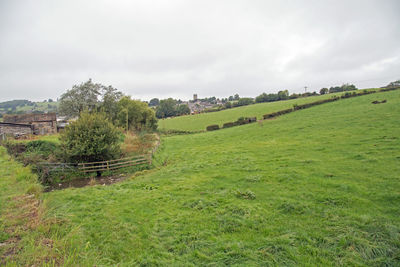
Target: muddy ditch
{"x":83,"y":182}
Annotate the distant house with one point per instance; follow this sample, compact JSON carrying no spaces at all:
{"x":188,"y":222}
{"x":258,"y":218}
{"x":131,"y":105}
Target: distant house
{"x":39,"y":124}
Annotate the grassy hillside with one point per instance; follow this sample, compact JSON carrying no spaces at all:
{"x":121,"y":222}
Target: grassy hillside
{"x":20,"y":107}
{"x":317,"y":187}
{"x":199,"y":122}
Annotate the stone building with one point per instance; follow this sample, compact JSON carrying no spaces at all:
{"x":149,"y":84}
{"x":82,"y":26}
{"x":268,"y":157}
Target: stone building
{"x":16,"y":129}
{"x":40,"y":123}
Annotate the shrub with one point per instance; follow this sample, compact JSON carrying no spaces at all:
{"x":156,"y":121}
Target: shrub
{"x":241,"y":121}
{"x":270,"y":115}
{"x":44,"y":148}
{"x":228,"y":125}
{"x":91,"y":138}
{"x":212,"y":127}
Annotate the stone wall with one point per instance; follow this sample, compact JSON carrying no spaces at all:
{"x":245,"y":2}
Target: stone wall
{"x":15,"y":129}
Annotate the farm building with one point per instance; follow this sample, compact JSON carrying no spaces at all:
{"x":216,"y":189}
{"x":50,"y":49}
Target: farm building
{"x":39,"y":123}
{"x":15,"y":129}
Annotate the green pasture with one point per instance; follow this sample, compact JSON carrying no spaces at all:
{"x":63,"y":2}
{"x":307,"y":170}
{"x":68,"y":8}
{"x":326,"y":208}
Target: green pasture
{"x":316,"y":187}
{"x":199,"y":122}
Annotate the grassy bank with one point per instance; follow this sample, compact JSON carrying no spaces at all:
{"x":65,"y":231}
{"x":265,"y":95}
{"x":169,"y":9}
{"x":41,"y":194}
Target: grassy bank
{"x":316,"y":187}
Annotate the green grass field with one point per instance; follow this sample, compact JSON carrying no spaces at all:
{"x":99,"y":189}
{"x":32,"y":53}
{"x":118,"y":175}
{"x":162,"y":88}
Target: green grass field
{"x":40,"y":106}
{"x":317,"y":187}
{"x":199,"y":122}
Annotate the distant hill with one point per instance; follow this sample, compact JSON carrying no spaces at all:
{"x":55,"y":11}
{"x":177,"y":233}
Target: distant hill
{"x":26,"y":106}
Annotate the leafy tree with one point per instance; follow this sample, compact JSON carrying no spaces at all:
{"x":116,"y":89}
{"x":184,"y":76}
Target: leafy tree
{"x":91,"y":138}
{"x":236,"y":97}
{"x":154,"y":102}
{"x":244,"y":101}
{"x":79,"y":98}
{"x":182,"y":110}
{"x":228,"y":104}
{"x":283,"y":95}
{"x":166,"y":108}
{"x":50,"y":100}
{"x":323,"y":91}
{"x":135,"y":115}
{"x":344,"y":87}
{"x":348,"y":87}
{"x":109,"y":104}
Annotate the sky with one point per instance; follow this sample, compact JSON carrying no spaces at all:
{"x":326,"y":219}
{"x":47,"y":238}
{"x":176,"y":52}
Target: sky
{"x":175,"y":48}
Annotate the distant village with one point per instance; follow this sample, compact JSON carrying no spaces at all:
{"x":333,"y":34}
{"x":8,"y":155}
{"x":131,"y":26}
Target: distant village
{"x":199,"y":105}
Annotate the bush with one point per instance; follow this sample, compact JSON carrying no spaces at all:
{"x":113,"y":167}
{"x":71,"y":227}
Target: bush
{"x":44,"y":148}
{"x":91,"y":138}
{"x":270,"y":115}
{"x":212,"y":127}
{"x":228,"y":125}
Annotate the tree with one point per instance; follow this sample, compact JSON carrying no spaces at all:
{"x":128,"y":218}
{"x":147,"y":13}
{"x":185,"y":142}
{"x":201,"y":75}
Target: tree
{"x":109,"y":104}
{"x":182,"y":110}
{"x":283,"y":95}
{"x":244,"y":101}
{"x":166,"y":108}
{"x":79,"y":98}
{"x":228,"y":104}
{"x":135,"y":115}
{"x":323,"y":91}
{"x":236,"y":97}
{"x":348,"y":87}
{"x":154,"y":102}
{"x":91,"y":138}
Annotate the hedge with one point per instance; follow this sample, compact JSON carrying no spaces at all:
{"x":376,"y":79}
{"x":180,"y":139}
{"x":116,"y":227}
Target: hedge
{"x":212,"y":127}
{"x":228,"y":125}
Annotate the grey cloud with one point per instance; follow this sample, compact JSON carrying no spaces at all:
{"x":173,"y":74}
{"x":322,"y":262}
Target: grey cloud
{"x":177,"y":48}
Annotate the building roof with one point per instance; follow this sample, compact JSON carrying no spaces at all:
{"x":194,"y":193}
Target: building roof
{"x":15,"y":124}
{"x":29,"y":118}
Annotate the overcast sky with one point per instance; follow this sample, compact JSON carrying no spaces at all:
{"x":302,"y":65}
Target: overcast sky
{"x":213,"y":48}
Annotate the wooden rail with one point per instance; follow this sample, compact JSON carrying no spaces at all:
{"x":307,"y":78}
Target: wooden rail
{"x":87,"y":167}
{"x":113,"y":164}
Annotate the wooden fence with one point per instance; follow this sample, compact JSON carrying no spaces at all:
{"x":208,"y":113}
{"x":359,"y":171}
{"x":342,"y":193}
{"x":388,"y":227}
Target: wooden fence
{"x":114,"y":164}
{"x":98,"y":166}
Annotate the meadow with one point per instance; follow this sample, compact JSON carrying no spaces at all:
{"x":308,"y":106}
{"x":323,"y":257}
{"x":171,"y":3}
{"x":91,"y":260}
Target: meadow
{"x":199,"y":122}
{"x":317,"y":187}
